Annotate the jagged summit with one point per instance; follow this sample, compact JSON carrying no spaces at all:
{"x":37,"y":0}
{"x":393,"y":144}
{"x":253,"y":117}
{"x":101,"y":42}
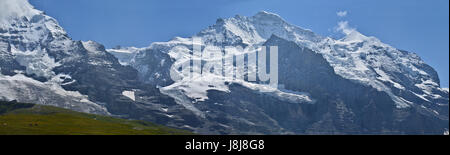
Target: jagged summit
{"x":10,"y":9}
{"x":255,"y":30}
{"x":93,"y":46}
{"x":20,"y":19}
{"x":264,"y":15}
{"x":16,"y":8}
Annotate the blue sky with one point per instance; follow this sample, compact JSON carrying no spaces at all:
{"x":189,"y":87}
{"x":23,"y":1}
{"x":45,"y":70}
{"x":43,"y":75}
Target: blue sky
{"x":418,"y":26}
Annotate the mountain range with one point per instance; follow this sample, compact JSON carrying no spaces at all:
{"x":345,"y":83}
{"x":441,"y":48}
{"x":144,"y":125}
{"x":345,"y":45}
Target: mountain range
{"x":353,"y":85}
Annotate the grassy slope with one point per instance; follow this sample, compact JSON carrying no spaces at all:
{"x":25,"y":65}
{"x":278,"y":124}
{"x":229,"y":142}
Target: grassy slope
{"x":28,"y":119}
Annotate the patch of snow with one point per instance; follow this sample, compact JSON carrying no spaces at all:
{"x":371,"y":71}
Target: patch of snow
{"x":435,"y":112}
{"x":25,"y":89}
{"x":93,"y":47}
{"x":180,"y":98}
{"x":385,"y":77}
{"x":197,"y":88}
{"x":422,"y":96}
{"x":218,"y":104}
{"x":282,"y":94}
{"x":165,"y":109}
{"x":125,"y":56}
{"x":129,"y":94}
{"x":36,"y":62}
{"x":445,"y":90}
{"x":427,"y":86}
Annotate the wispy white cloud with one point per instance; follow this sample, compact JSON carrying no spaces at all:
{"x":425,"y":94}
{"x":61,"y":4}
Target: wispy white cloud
{"x":341,"y":13}
{"x":344,"y":28}
{"x":351,"y":34}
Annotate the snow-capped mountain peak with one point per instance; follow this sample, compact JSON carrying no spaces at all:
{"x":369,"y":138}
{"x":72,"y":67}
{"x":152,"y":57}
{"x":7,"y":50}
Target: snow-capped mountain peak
{"x":32,"y":46}
{"x":354,"y":36}
{"x":269,"y":16}
{"x":255,"y":30}
{"x":10,"y":9}
{"x":93,"y":46}
{"x":402,"y":78}
{"x":363,"y":59}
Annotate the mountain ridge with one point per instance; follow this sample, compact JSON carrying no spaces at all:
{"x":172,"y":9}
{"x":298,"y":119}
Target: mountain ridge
{"x":356,"y":85}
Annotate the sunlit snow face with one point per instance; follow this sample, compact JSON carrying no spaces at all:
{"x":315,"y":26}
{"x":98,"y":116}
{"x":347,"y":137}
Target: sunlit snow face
{"x":226,"y":64}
